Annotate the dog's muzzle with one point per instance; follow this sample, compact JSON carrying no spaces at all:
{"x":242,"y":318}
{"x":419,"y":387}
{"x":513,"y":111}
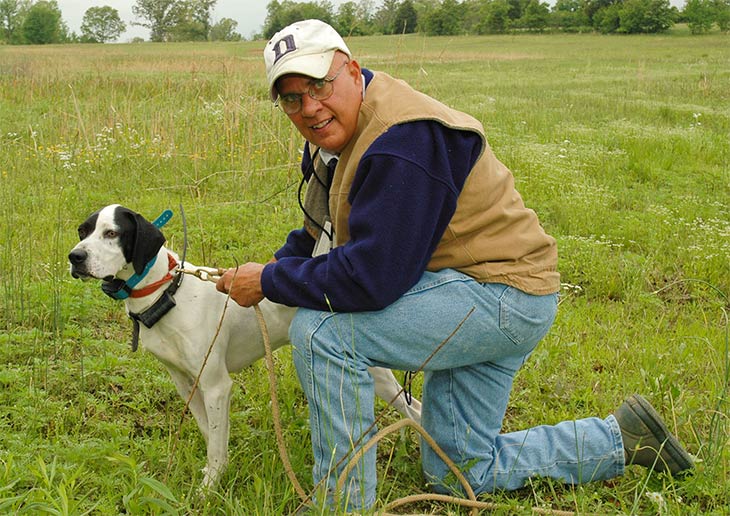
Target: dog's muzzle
{"x":78,"y":257}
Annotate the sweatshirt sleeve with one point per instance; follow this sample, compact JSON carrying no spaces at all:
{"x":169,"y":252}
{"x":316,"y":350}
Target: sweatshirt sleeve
{"x":298,"y":243}
{"x":403,"y":197}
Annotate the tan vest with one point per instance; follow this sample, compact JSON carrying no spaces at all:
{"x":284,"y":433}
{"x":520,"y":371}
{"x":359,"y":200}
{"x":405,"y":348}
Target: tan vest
{"x":492,"y":236}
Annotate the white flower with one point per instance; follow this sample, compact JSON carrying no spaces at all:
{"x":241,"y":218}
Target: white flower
{"x":658,"y":499}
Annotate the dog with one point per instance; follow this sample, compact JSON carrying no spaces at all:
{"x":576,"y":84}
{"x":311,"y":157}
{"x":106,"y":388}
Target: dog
{"x":181,"y":316}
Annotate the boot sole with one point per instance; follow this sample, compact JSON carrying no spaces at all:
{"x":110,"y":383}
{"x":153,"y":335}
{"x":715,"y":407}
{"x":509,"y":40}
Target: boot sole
{"x":669,"y":443}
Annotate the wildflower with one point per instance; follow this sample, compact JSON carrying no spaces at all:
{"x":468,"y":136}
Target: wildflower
{"x":572,"y":288}
{"x":697,"y":122}
{"x":658,"y":499}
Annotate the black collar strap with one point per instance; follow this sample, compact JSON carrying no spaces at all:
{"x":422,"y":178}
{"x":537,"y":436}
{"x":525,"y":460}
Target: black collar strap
{"x":157,"y":311}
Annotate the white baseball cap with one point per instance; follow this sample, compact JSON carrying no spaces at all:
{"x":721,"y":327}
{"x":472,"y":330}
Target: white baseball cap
{"x":305,"y":48}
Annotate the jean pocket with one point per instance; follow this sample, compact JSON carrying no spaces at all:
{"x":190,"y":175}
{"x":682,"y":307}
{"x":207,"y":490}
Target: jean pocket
{"x":525,"y":318}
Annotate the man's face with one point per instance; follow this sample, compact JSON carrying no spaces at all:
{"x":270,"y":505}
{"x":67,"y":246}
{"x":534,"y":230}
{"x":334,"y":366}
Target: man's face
{"x":328,"y":123}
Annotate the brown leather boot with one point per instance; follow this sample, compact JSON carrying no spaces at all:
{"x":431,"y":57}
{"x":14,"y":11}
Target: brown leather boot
{"x":647,"y":442}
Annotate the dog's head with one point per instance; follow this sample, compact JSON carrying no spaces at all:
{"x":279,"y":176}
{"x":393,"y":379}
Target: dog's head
{"x":112,"y":239}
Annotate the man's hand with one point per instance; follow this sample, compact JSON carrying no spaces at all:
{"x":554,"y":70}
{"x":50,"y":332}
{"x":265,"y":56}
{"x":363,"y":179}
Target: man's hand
{"x":243,"y":284}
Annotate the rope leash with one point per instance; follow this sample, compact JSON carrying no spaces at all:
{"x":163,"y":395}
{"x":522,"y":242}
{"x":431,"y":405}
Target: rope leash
{"x":275,"y":413}
{"x":212,"y":275}
{"x":464,"y":502}
{"x":197,"y":378}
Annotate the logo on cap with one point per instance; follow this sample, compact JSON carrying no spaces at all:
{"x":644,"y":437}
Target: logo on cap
{"x":288,"y":41}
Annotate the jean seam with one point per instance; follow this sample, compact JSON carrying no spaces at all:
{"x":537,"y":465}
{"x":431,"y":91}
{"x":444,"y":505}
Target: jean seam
{"x":314,"y":412}
{"x":439,"y":282}
{"x":504,"y":320}
{"x":452,"y":413}
{"x":618,"y":444}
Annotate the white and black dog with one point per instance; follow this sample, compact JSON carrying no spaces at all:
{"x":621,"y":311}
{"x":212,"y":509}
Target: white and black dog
{"x":180,"y":320}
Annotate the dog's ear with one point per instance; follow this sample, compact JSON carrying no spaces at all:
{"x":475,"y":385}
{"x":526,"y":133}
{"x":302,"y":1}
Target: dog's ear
{"x":141,"y":240}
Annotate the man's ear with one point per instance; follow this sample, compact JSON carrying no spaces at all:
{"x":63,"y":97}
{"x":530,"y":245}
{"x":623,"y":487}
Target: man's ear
{"x":353,"y":68}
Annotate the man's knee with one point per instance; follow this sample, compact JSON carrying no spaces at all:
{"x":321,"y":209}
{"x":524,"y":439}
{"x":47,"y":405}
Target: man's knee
{"x":311,"y":332}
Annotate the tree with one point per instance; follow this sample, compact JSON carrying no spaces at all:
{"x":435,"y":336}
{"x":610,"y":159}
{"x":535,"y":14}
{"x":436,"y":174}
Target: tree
{"x":42,"y":24}
{"x":384,"y":19}
{"x":365,"y":11}
{"x":645,"y":16}
{"x":570,"y":15}
{"x":535,"y":16}
{"x":12,"y":13}
{"x":607,"y":19}
{"x":722,"y":14}
{"x":700,"y":15}
{"x":347,"y":21}
{"x":281,"y":14}
{"x":494,"y":17}
{"x":193,"y":21}
{"x":471,"y":15}
{"x":517,"y":8}
{"x":406,"y":18}
{"x":102,"y":24}
{"x":592,"y":7}
{"x":225,"y":30}
{"x":160,"y":17}
{"x":445,"y":20}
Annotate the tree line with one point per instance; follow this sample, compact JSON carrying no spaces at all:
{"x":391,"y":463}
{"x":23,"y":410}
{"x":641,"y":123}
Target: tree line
{"x":40,"y":21}
{"x":455,"y":17}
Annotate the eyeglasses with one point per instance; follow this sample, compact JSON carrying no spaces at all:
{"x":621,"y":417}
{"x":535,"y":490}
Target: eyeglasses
{"x":319,"y":89}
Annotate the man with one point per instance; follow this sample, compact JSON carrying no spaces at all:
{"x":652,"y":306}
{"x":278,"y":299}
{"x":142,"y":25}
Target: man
{"x":413,"y":229}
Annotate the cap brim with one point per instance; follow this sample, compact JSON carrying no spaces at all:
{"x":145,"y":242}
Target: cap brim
{"x":315,"y":66}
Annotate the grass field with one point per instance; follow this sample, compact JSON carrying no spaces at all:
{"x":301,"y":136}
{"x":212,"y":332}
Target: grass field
{"x":621,"y":145}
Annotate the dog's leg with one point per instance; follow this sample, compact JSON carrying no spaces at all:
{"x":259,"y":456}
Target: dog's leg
{"x":215,"y":387}
{"x":387,"y":388}
{"x":184,"y":384}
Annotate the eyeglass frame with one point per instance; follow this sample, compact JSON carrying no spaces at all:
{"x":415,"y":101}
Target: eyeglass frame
{"x":325,"y":80}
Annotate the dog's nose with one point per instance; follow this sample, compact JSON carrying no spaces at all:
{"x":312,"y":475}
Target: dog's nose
{"x":77,"y":256}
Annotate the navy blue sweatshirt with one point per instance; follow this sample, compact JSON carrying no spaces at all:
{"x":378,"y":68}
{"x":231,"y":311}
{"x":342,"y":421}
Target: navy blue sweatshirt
{"x":403,"y":197}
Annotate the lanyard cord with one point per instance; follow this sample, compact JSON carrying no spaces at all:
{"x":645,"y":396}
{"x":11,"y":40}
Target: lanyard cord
{"x":312,"y":172}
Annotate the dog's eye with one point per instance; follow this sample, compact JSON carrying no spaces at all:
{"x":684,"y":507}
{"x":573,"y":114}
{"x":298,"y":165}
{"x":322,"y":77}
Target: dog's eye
{"x":110,"y":233}
{"x":82,"y":234}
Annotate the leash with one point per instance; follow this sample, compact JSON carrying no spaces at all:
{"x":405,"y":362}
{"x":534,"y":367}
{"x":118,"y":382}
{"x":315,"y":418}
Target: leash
{"x":213,"y":275}
{"x":195,"y":384}
{"x":204,"y":273}
{"x":275,"y":413}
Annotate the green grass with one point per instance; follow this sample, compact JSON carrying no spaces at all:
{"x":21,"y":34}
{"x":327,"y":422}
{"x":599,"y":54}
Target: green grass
{"x":621,"y":145}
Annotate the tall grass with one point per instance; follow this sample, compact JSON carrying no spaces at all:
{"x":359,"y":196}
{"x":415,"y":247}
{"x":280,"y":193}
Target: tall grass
{"x":621,"y":145}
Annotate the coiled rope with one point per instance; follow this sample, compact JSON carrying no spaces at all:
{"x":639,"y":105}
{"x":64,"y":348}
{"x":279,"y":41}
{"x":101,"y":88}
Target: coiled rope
{"x":471,"y":501}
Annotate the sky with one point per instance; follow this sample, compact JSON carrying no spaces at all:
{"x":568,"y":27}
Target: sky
{"x":250,"y":15}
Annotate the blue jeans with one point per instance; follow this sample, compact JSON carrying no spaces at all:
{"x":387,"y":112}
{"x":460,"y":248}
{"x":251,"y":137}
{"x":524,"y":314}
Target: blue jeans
{"x":466,"y":388}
